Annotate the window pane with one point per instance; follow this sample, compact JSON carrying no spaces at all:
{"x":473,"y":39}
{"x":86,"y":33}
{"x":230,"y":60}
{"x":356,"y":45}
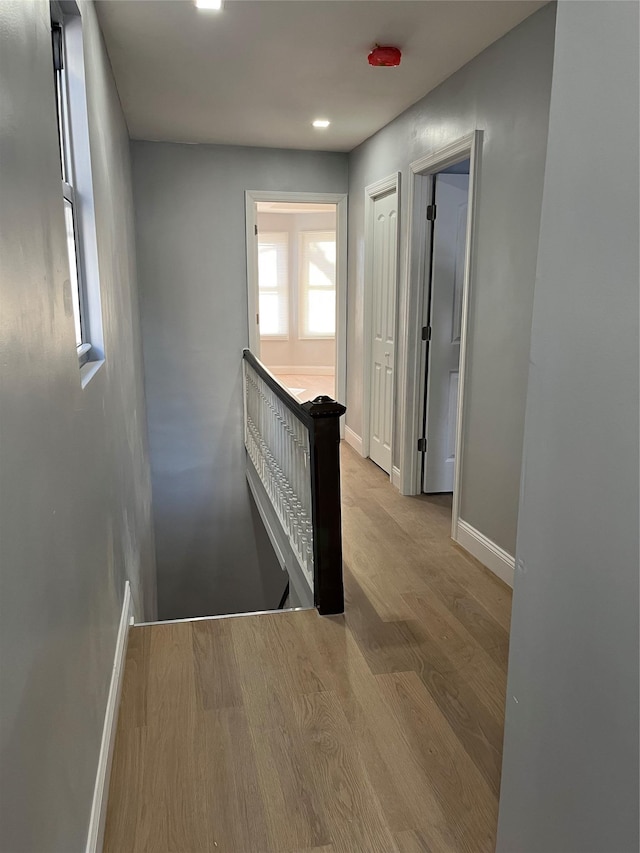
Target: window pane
{"x":269,"y":315}
{"x":268,"y":267}
{"x":273,"y":283}
{"x":61,"y":117}
{"x":318,"y":283}
{"x":73,"y":268}
{"x":322,"y":263}
{"x":321,"y":317}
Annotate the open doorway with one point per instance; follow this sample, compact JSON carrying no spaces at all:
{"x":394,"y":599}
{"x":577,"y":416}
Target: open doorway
{"x":447,"y":215}
{"x":296,"y":269}
{"x":434,"y":321}
{"x":297,"y":294}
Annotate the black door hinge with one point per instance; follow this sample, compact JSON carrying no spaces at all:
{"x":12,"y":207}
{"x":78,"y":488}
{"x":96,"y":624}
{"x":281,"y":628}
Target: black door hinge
{"x":56,"y":42}
{"x":431,"y":212}
{"x":422,"y":444}
{"x":426,"y":333}
{"x":256,"y":230}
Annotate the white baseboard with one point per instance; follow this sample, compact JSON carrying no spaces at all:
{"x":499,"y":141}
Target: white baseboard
{"x":490,"y":555}
{"x":395,"y":477}
{"x":95,"y":837}
{"x":306,"y":370}
{"x":353,"y":440}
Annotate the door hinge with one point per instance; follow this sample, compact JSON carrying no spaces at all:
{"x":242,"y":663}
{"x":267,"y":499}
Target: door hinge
{"x":56,"y":41}
{"x":422,"y":444}
{"x":257,"y":319}
{"x":426,"y":333}
{"x":431,"y":212}
{"x":255,"y":230}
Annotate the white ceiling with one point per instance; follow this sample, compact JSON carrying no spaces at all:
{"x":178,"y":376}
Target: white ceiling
{"x":259,"y":71}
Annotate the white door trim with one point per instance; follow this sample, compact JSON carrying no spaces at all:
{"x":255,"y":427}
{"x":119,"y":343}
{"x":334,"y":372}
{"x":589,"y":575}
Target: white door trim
{"x":340,"y":200}
{"x":373,"y":191}
{"x":421,"y":176}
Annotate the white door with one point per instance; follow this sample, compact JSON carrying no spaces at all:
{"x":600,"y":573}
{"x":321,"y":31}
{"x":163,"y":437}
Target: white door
{"x":447,"y":282}
{"x":383,"y":299}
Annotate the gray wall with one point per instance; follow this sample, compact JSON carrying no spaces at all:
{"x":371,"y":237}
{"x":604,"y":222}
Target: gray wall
{"x":75,"y":510}
{"x":213,"y":553}
{"x":570,"y":772}
{"x":505,"y":92}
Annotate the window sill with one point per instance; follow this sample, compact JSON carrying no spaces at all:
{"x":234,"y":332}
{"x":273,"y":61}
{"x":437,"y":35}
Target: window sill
{"x":88,"y":371}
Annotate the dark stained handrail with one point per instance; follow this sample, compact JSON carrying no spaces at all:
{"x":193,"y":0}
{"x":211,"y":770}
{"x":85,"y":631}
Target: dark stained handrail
{"x":322,"y":418}
{"x":281,"y":392}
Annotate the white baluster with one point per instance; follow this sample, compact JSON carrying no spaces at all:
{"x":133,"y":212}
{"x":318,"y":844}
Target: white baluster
{"x":277,"y":443}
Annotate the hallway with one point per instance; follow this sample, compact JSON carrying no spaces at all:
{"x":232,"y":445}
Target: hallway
{"x":376,"y":731}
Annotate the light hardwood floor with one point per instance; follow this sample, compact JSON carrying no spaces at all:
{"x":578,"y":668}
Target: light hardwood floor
{"x":375,"y":732}
{"x":306,"y":387}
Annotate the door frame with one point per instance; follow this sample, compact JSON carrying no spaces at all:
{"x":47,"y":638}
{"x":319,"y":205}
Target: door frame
{"x":373,"y":191}
{"x":340,"y":201}
{"x":422,"y":172}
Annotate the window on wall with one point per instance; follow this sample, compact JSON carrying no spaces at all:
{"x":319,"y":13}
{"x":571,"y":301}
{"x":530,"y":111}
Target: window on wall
{"x":318,"y":284}
{"x":273,"y":284}
{"x":75,"y":174}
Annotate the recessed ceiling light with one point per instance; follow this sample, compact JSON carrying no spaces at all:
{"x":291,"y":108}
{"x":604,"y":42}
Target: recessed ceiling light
{"x":321,"y":122}
{"x":209,"y":5}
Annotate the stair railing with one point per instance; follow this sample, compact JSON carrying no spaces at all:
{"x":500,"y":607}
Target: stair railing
{"x":294,"y":450}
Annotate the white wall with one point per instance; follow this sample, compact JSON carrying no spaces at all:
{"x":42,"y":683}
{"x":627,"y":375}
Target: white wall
{"x":570,"y":771}
{"x":75,"y":497}
{"x":505,"y":92}
{"x":213,"y":553}
{"x":297,"y":352}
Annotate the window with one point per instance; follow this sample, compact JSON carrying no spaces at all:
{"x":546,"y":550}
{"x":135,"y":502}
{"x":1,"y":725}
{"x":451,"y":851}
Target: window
{"x":318,"y":284}
{"x":273,"y":284}
{"x":77,"y":185}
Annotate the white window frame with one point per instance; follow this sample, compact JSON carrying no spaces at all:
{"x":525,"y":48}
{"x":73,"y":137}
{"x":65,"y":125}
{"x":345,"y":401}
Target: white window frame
{"x":304,"y":288}
{"x":77,"y":181}
{"x":279,"y":290}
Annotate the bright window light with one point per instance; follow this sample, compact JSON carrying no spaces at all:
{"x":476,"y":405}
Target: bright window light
{"x":273,"y":284}
{"x":318,"y":284}
{"x":212,"y":5}
{"x":321,"y":122}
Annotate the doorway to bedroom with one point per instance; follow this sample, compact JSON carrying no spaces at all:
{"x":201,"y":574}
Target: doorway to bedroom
{"x":296,"y":264}
{"x":297,"y":294}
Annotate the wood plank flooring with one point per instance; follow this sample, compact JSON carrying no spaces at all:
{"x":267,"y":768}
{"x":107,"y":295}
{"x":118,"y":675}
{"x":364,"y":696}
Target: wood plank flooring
{"x":307,"y":387}
{"x":375,"y":732}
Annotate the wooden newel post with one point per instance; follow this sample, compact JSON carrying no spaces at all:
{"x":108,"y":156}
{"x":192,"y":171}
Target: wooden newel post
{"x":324,"y":436}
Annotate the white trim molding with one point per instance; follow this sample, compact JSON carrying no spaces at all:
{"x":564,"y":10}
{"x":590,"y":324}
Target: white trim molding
{"x":497,"y":560}
{"x":95,"y":836}
{"x":353,"y":440}
{"x":395,"y":477}
{"x":248,"y":613}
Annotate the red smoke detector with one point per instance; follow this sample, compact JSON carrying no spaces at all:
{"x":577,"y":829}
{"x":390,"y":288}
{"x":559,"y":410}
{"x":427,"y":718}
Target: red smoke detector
{"x":385,"y":56}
